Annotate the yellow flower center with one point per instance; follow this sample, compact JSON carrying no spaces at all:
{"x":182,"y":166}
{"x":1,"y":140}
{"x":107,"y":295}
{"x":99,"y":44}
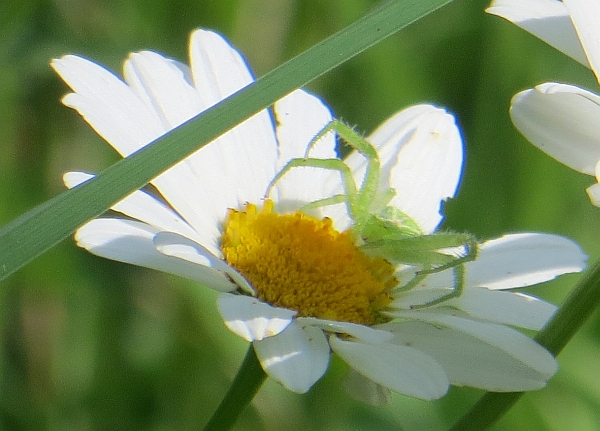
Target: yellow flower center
{"x":298,"y":262}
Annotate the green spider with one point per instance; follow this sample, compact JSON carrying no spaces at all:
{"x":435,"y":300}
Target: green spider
{"x":381,"y":229}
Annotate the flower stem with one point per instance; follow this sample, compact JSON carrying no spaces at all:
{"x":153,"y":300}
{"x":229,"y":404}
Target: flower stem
{"x":581,"y":302}
{"x":245,"y":385}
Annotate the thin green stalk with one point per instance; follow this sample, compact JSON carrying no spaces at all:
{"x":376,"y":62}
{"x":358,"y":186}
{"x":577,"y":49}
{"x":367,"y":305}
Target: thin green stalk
{"x":579,"y":305}
{"x":244,"y":387}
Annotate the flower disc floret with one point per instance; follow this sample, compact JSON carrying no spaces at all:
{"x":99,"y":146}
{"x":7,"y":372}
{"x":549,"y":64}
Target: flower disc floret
{"x":298,"y":262}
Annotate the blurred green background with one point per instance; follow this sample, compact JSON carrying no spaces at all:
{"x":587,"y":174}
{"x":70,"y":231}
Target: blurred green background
{"x":90,"y":344}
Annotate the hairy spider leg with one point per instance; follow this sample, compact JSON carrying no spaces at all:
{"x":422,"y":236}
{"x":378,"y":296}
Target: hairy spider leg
{"x":358,"y":200}
{"x":424,"y":250}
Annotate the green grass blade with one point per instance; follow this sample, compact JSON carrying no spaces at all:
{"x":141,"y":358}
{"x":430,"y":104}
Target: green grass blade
{"x":36,"y":231}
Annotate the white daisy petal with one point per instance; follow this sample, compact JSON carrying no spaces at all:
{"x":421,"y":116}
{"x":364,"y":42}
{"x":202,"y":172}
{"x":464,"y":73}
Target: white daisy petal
{"x":585,"y":15}
{"x":517,"y":345}
{"x":108,"y":104}
{"x":561,"y":120}
{"x":141,"y":206}
{"x":524,"y":259}
{"x":72,"y":179}
{"x":421,"y":153}
{"x":300,"y":116}
{"x":219,"y":70}
{"x":296,"y":358}
{"x":548,"y":20}
{"x":164,"y":85}
{"x":510,"y":308}
{"x":186,"y":249}
{"x":400,"y":368}
{"x":468,"y":361}
{"x":252,"y":319}
{"x":516,"y":260}
{"x":362,"y":332}
{"x":161,"y":96}
{"x":248,"y":152}
{"x":132,"y":242}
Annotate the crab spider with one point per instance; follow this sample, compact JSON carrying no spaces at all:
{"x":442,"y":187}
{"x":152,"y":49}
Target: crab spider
{"x":381,"y":229}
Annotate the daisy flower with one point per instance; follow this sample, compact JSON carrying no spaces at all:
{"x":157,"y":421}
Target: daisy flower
{"x":294,"y":283}
{"x":560,"y":119}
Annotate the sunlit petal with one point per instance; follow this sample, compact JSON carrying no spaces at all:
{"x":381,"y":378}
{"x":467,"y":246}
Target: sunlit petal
{"x":296,"y":358}
{"x":421,"y":153}
{"x":141,"y":206}
{"x":108,"y":104}
{"x":300,"y":116}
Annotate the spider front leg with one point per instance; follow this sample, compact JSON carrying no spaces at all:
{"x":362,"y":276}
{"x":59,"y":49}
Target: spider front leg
{"x":331,"y":164}
{"x":358,"y":199}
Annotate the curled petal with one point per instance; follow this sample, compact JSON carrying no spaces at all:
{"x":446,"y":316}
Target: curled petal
{"x":561,"y":120}
{"x":593,"y":192}
{"x":252,"y":319}
{"x":180,"y":247}
{"x":296,"y":358}
{"x":132,"y":242}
